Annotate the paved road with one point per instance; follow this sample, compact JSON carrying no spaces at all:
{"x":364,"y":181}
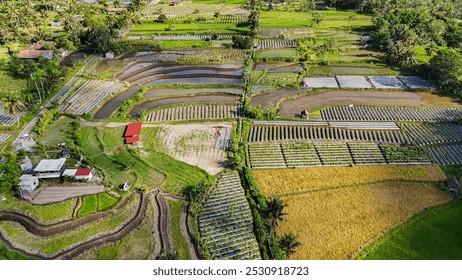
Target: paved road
{"x":20,"y":143}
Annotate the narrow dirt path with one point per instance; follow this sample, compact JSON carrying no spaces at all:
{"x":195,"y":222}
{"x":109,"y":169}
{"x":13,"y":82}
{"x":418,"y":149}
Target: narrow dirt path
{"x":164,"y":219}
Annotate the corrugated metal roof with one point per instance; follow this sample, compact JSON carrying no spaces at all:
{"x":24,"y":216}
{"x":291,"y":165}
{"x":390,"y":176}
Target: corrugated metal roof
{"x":48,"y":165}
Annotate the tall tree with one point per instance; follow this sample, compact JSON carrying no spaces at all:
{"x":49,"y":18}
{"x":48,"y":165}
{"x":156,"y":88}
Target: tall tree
{"x":288,"y":242}
{"x":13,"y":105}
{"x":274,"y":211}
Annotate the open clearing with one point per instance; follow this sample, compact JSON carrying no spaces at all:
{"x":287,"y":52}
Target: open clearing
{"x":52,"y":194}
{"x":334,"y":224}
{"x":200,"y":145}
{"x":269,"y":100}
{"x":289,"y":108}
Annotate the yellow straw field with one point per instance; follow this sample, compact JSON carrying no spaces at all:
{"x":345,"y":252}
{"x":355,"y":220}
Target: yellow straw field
{"x":289,"y":181}
{"x":336,"y":223}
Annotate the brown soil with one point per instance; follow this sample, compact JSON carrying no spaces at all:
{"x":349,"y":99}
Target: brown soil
{"x":115,"y":102}
{"x":52,"y":194}
{"x":433,"y":99}
{"x":290,"y":108}
{"x":269,"y":100}
{"x":152,"y":93}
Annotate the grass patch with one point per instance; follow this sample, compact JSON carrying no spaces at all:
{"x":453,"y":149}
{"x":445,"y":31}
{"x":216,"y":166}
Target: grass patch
{"x":178,"y":173}
{"x":105,"y":201}
{"x":153,"y":28}
{"x":60,"y":131}
{"x":432,"y":235}
{"x":184,"y":44}
{"x":7,"y":254}
{"x":44,"y":213}
{"x":9,"y":84}
{"x":89,"y":205}
{"x":108,"y":74}
{"x":241,"y":2}
{"x":181,"y":246}
{"x":453,"y":170}
{"x":283,"y":53}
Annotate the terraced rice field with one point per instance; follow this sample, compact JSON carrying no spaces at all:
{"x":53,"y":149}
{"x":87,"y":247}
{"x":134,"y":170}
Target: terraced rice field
{"x":331,"y":153}
{"x":4,"y":137}
{"x":433,"y":133}
{"x":226,"y":224}
{"x":195,"y":112}
{"x":153,"y":93}
{"x":365,"y":113}
{"x":86,"y":95}
{"x":263,"y":133}
{"x":273,"y":44}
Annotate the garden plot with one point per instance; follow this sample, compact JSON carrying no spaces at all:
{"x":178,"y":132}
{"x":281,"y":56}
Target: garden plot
{"x":300,"y":154}
{"x":268,"y":155}
{"x":277,"y":67}
{"x":269,"y":100}
{"x":320,"y":82}
{"x":366,"y":113}
{"x":333,"y":153}
{"x":51,"y":194}
{"x":87,"y":95}
{"x":400,"y":154}
{"x":273,"y":44}
{"x":386,"y":82}
{"x":201,"y":145}
{"x":190,"y":8}
{"x":195,"y":112}
{"x":7,"y":119}
{"x":366,"y":153}
{"x":447,"y":154}
{"x":4,"y":137}
{"x":226,"y":223}
{"x":347,"y":82}
{"x":429,"y":133}
{"x":416,"y":82}
{"x":283,"y":132}
{"x":366,"y":125}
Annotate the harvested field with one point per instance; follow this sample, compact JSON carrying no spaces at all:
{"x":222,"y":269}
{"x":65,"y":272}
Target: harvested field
{"x":290,"y":108}
{"x":200,"y":145}
{"x":52,"y":194}
{"x":336,"y":223}
{"x":288,"y":181}
{"x":195,"y":112}
{"x":153,"y":93}
{"x":269,"y":100}
{"x":215,"y":98}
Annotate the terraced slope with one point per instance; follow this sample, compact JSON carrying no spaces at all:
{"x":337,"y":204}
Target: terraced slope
{"x":226,"y":223}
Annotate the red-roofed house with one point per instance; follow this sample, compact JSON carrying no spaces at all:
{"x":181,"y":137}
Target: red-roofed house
{"x":83,"y":174}
{"x":132,"y":133}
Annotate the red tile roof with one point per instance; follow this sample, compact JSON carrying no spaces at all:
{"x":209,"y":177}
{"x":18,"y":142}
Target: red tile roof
{"x":133,"y":129}
{"x":83,"y":172}
{"x":133,"y":139}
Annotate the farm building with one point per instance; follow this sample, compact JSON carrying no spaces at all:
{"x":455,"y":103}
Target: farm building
{"x":79,"y":174}
{"x":50,"y":168}
{"x":26,"y":165}
{"x":27,"y":184}
{"x":132,"y":133}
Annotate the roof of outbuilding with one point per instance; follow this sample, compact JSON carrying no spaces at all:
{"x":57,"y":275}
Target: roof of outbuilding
{"x":133,"y":129}
{"x":47,"y":165}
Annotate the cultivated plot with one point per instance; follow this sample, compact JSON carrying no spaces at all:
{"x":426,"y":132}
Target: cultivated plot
{"x":359,"y":82}
{"x":320,"y":82}
{"x":386,"y":82}
{"x":203,"y":145}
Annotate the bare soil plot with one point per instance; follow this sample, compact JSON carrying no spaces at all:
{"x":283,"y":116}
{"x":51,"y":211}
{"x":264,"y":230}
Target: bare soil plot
{"x":52,"y":194}
{"x":416,"y":82}
{"x":203,"y":145}
{"x":215,"y":98}
{"x":269,"y":100}
{"x":434,"y":99}
{"x":353,"y":82}
{"x":152,"y":93}
{"x":290,"y":108}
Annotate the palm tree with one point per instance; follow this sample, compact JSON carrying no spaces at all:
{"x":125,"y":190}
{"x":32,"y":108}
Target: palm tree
{"x":274,"y":211}
{"x":13,"y":105}
{"x":288,"y":242}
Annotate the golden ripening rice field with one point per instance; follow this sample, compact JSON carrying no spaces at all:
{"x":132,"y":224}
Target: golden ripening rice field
{"x":336,"y":211}
{"x":289,"y":181}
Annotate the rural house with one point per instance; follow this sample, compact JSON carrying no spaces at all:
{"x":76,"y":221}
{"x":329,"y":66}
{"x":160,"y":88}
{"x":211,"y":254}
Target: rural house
{"x":79,"y":174}
{"x":50,"y":168}
{"x":27,"y":184}
{"x":453,"y":184}
{"x":132,"y":133}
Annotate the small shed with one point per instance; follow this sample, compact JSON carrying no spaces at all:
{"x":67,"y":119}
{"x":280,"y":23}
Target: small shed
{"x":65,"y":154}
{"x":132,"y":132}
{"x":453,"y":184}
{"x":304,"y":114}
{"x":27,"y":184}
{"x":84,"y":174}
{"x":109,"y":55}
{"x":126,"y":186}
{"x":26,"y":165}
